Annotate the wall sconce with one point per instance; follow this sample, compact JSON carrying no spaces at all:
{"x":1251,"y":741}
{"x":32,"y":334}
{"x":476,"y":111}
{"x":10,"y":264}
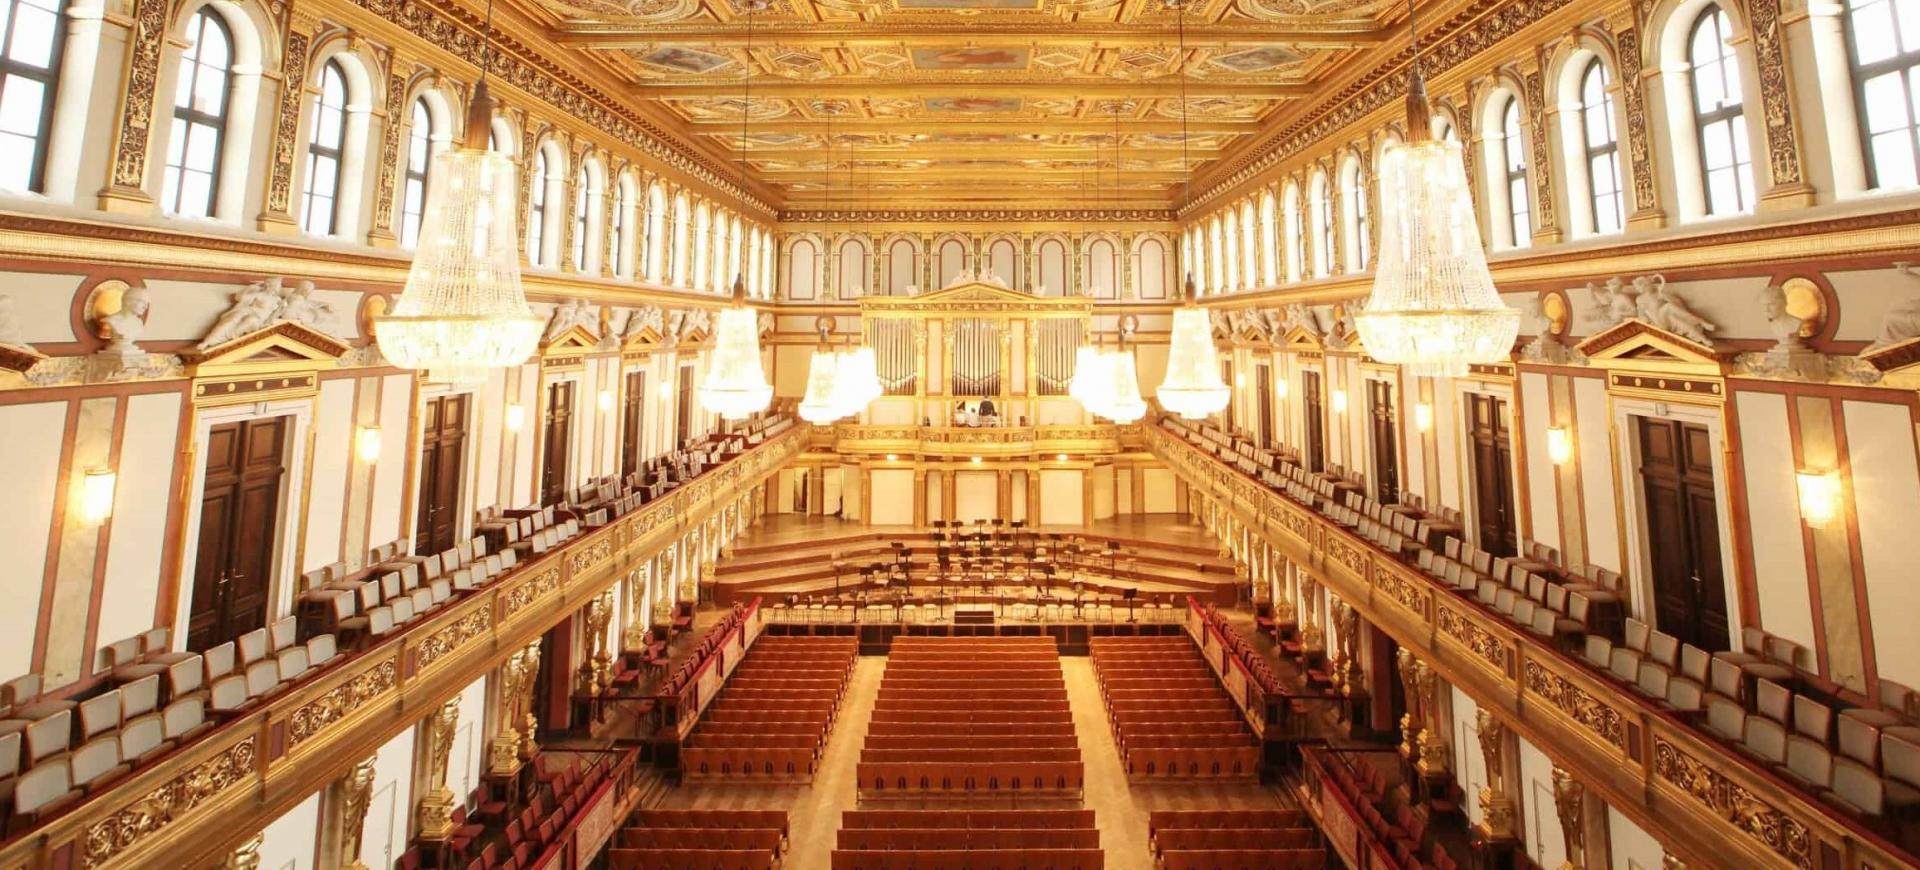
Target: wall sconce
{"x":1423,"y":417}
{"x":976,"y":460}
{"x":1559,"y":445}
{"x":1339,"y":401}
{"x":1819,"y":497}
{"x":366,"y":443}
{"x":1280,"y":388}
{"x":606,"y":400}
{"x":96,"y":495}
{"x":1060,"y":457}
{"x":893,"y":457}
{"x":516,"y":417}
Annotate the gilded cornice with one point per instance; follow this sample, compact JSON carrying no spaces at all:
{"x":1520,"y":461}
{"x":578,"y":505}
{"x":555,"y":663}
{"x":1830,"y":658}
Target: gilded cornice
{"x":988,"y":215}
{"x":535,"y":73}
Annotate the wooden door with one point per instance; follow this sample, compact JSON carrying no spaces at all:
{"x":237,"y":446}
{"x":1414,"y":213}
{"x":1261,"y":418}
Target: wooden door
{"x":239,"y":530}
{"x":1683,"y":531}
{"x":632,"y":422}
{"x":1264,"y":390}
{"x":1491,"y":438}
{"x":1226,"y":377}
{"x":443,"y":441}
{"x":683,"y":407}
{"x":1314,"y":452}
{"x":559,"y":438}
{"x":1386,"y":444}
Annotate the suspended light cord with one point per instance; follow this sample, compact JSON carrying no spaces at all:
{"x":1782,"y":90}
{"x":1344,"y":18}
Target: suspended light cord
{"x":746,"y":91}
{"x":486,"y":43}
{"x":1180,"y":61}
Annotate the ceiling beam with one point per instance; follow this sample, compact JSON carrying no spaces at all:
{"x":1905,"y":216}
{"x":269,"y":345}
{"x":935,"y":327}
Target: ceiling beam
{"x":730,"y":127}
{"x":971,"y":174}
{"x":781,"y":88}
{"x":1015,"y":151}
{"x":833,"y":34}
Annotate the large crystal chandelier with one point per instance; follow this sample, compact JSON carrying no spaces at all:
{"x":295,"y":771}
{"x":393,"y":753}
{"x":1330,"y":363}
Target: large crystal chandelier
{"x":857,"y":380}
{"x":462,"y":311}
{"x":736,"y":385}
{"x":1192,"y":387}
{"x":1118,"y":396}
{"x":820,"y":405}
{"x":1434,"y":309}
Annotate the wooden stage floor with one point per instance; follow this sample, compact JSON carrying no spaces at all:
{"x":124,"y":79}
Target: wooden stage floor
{"x":1120,"y":807}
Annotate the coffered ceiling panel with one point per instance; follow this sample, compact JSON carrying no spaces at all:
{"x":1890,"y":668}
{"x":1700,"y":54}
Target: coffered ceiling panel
{"x":955,"y":101}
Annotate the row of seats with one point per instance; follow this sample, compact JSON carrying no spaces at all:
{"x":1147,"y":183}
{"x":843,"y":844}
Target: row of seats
{"x":948,"y":693}
{"x":1235,"y":840}
{"x":799,"y":680}
{"x":923,"y":839}
{"x":560,"y":791}
{"x":700,"y":840}
{"x":1155,"y":688}
{"x":1386,"y":809}
{"x":365,"y":607}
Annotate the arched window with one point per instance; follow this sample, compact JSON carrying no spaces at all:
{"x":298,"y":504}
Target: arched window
{"x":537,"y":211}
{"x":1602,"y":144}
{"x":1249,"y":247}
{"x":1229,"y":229}
{"x":1004,"y":258}
{"x":1885,"y":38}
{"x":1320,"y":204}
{"x":702,"y":246}
{"x":621,"y":250}
{"x":801,"y":270}
{"x":1296,"y":234}
{"x":681,"y":229}
{"x":29,"y":66}
{"x":655,"y":234}
{"x":324,"y":149}
{"x":1719,"y":117}
{"x":1353,"y":193}
{"x":1513,"y":150}
{"x":852,"y":268}
{"x":1269,"y":241}
{"x":1103,"y":269}
{"x":582,"y":205}
{"x":1216,"y":257}
{"x":413,"y":195}
{"x":199,"y":130}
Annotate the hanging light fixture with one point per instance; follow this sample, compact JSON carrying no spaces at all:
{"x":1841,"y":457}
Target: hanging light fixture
{"x":858,"y":371}
{"x":462,"y":311}
{"x":1084,"y":385}
{"x":1434,"y":309}
{"x":1192,"y":387}
{"x":736,"y":385}
{"x":819,"y":405}
{"x":1121,"y":401}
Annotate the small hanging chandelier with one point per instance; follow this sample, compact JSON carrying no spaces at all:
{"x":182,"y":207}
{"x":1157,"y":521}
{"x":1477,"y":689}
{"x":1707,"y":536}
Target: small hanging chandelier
{"x":1084,"y":385}
{"x":736,"y":385}
{"x":1434,"y":309}
{"x":820,"y":405}
{"x":462,"y":312}
{"x":1192,"y":387}
{"x":857,"y":376}
{"x":1121,"y":401}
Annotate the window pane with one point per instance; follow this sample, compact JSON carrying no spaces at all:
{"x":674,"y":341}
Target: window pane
{"x":32,"y":41}
{"x":202,"y":147}
{"x":210,"y":90}
{"x":1873,"y":34}
{"x":21,"y":101}
{"x":17,"y":155}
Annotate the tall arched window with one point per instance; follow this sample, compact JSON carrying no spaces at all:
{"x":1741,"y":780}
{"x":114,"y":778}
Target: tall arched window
{"x":581,"y":206}
{"x":1513,"y":147}
{"x":621,"y":250}
{"x":1229,"y":228}
{"x":189,"y":183}
{"x":1602,"y":144}
{"x":1353,"y":192}
{"x":29,"y":66}
{"x":1296,"y":233}
{"x":413,"y":195}
{"x":1320,"y":203}
{"x":1269,"y":241}
{"x":1885,"y":38}
{"x":702,"y":243}
{"x":324,"y":149}
{"x":537,"y":211}
{"x":656,"y":233}
{"x":1249,"y":247}
{"x":1719,"y":117}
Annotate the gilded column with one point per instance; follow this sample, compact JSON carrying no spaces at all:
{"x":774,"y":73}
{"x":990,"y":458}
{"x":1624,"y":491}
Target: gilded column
{"x":350,"y":796}
{"x":133,"y":134}
{"x":570,"y":204}
{"x":510,"y":747}
{"x":387,"y":171}
{"x":433,"y":815}
{"x":1788,"y":187}
{"x":1540,"y":160}
{"x":1496,"y":807}
{"x":277,"y":215}
{"x":1569,"y":802}
{"x":1634,"y":81}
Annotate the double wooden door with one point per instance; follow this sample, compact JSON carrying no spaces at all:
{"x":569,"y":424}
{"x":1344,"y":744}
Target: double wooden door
{"x":683,"y":407}
{"x":1490,"y":437}
{"x":632,"y":420}
{"x":1386,"y":444}
{"x":1264,"y":390}
{"x":558,"y":437}
{"x":239,"y":530}
{"x":443,"y":441}
{"x":1683,"y":531}
{"x":1315,"y":449}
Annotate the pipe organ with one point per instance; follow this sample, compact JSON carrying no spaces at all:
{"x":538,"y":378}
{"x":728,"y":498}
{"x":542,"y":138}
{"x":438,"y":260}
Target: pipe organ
{"x":896,"y":354}
{"x":1056,"y":344}
{"x":976,"y":356}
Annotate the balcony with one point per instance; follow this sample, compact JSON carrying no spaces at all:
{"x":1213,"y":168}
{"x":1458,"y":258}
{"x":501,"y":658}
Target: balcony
{"x":986,"y":441}
{"x":1713,"y":805}
{"x":202,"y":799}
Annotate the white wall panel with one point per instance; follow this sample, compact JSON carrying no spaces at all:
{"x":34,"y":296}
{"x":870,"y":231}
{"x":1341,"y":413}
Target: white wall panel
{"x":1543,"y":500}
{"x":28,"y":477}
{"x":332,"y":452}
{"x":1596,"y":472}
{"x":1886,"y":483}
{"x":1061,"y":497}
{"x":291,"y":841}
{"x":892,"y":495}
{"x":391,"y":810}
{"x":1632,"y":848}
{"x":1158,"y":491}
{"x":976,"y":495}
{"x":137,"y":539}
{"x":1544,"y":842}
{"x":1773,"y":515}
{"x":389,"y":476}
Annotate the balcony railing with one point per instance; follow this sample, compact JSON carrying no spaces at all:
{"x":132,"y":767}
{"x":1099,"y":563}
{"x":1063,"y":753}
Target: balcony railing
{"x":216,"y":791}
{"x":1712,"y":805}
{"x":979,"y":441}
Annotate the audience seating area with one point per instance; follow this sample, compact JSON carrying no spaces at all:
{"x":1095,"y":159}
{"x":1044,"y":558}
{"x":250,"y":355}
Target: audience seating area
{"x":773,"y":715}
{"x":700,"y":840}
{"x":1169,"y":714}
{"x":395,"y":588}
{"x":971,"y":717}
{"x":544,"y":825}
{"x":1235,"y":840}
{"x":1858,"y":754}
{"x":971,"y":839}
{"x":1392,"y":817}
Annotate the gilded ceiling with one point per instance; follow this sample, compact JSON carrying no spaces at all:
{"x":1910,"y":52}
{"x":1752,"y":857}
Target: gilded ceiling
{"x":971,"y":101}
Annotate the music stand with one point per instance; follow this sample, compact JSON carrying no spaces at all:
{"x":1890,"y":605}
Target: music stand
{"x":1130,"y":594}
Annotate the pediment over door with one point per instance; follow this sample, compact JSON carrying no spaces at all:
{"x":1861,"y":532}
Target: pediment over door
{"x":281,"y":360}
{"x":1641,"y":358}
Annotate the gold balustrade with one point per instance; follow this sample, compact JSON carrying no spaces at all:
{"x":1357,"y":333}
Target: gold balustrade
{"x":212,"y":795}
{"x":1702,"y":799}
{"x":987,"y":441}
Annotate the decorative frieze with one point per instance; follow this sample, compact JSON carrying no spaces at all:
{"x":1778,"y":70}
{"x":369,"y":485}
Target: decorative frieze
{"x":1489,"y":647}
{"x":316,"y":716}
{"x":128,"y":828}
{"x":1599,"y":718}
{"x":529,"y":591}
{"x":452,"y":638}
{"x":1717,"y":793}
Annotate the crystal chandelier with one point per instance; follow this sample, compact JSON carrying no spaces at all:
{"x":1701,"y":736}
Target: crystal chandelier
{"x":462,"y":311}
{"x":858,"y":376}
{"x":1192,"y":387}
{"x":736,"y":385}
{"x":1434,"y":309}
{"x":1083,"y":386}
{"x":820,"y":406}
{"x":1120,"y":399}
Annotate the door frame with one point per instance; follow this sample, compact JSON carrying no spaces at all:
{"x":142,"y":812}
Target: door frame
{"x":1626,"y":462}
{"x":1463,"y":458}
{"x":292,"y":492}
{"x":549,"y":377}
{"x":1369,"y":442}
{"x":467,"y":504}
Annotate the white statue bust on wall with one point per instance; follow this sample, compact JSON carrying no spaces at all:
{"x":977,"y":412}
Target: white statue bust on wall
{"x":124,"y":327}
